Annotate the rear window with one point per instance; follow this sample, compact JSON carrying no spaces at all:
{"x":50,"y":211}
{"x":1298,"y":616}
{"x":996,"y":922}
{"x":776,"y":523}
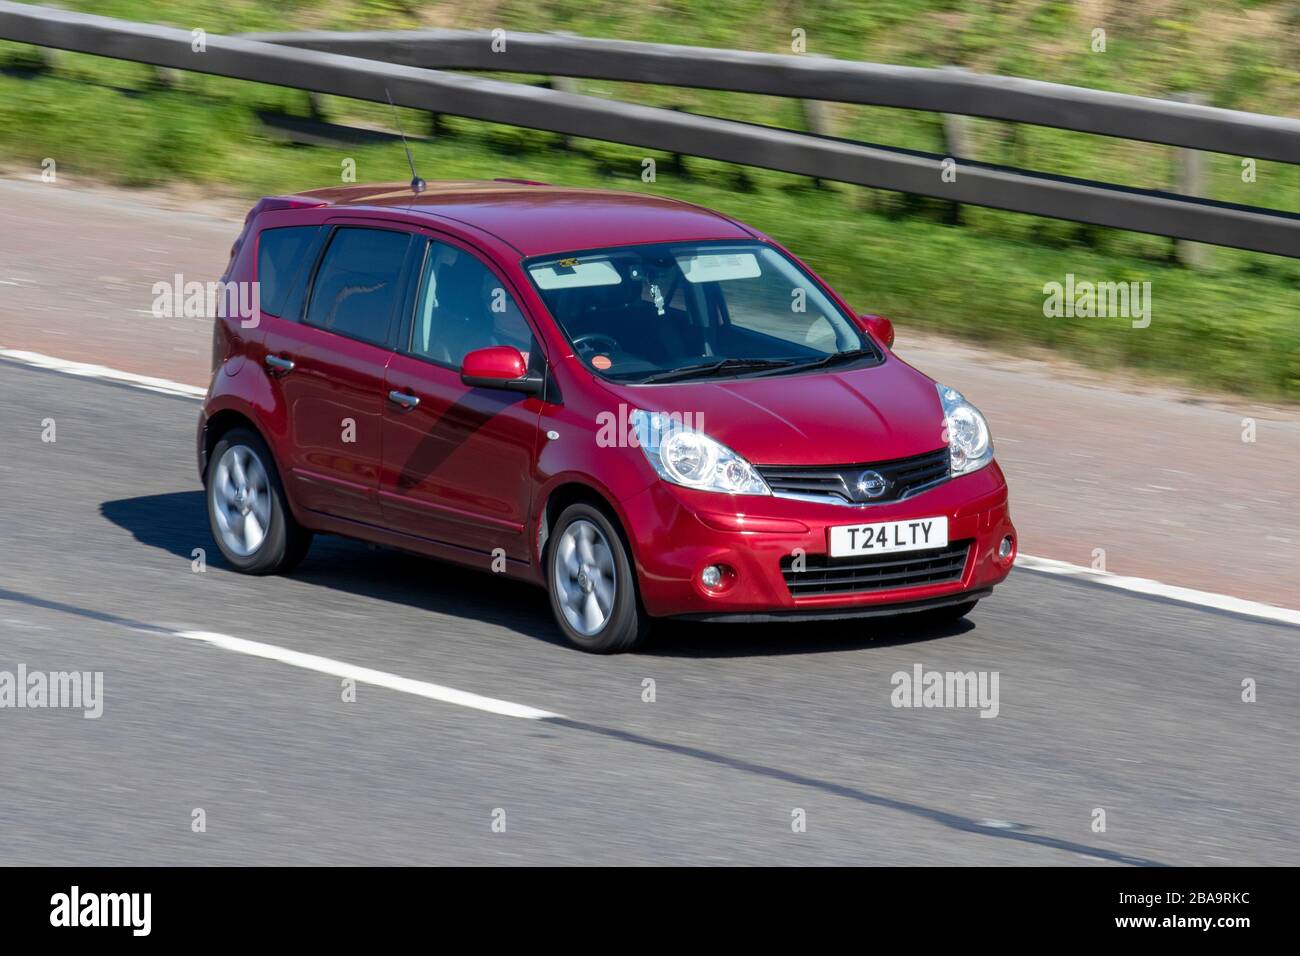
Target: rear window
{"x":281,"y":258}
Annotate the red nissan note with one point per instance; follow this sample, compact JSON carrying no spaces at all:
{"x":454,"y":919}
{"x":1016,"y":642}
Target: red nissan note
{"x":648,"y":408}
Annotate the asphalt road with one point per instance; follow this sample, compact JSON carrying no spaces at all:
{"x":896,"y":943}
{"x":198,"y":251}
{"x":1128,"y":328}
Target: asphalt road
{"x":1107,"y":700}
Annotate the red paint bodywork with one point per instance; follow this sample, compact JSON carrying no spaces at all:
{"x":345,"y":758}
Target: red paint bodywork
{"x":881,"y":328}
{"x":496,"y":362}
{"x":471,"y":469}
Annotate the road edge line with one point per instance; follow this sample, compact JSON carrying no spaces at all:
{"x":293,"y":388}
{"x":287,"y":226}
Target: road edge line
{"x":365,"y":675}
{"x":1172,"y":592}
{"x":103,"y":373}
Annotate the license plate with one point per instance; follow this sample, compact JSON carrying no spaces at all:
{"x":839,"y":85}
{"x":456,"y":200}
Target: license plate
{"x":885,"y":537}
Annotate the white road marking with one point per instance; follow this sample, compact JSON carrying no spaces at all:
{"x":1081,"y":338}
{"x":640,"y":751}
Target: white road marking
{"x":103,"y":373}
{"x":1222,"y":602}
{"x":365,"y":675}
{"x":1209,"y":599}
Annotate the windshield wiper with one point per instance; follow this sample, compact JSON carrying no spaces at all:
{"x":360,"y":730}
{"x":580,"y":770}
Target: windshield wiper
{"x":835,"y":358}
{"x":707,"y":368}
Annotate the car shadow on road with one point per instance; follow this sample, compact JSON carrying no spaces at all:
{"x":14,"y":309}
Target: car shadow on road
{"x":177,"y":522}
{"x":694,"y":639}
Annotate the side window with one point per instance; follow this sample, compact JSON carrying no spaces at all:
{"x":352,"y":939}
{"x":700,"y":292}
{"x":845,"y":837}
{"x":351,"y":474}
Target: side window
{"x":282,"y":255}
{"x":463,"y":306}
{"x":358,"y":283}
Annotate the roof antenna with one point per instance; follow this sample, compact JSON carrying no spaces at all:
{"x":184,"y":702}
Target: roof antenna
{"x":417,"y":184}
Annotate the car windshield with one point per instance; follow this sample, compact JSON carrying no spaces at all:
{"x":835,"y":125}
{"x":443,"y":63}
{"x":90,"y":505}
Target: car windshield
{"x":677,"y":311}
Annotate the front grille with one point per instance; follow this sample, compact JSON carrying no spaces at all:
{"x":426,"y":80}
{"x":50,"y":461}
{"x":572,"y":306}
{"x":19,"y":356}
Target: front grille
{"x":823,"y":574}
{"x":843,"y":484}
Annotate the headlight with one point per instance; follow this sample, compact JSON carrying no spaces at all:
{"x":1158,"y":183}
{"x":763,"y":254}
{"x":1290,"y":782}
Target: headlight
{"x":970,"y":446}
{"x":692,"y":459}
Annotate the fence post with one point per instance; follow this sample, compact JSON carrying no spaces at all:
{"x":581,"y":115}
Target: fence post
{"x":563,"y":84}
{"x":816,"y":120}
{"x":1190,"y":176}
{"x":165,"y":77}
{"x":816,"y":116}
{"x":316,"y":106}
{"x":816,"y":113}
{"x":956,"y":145}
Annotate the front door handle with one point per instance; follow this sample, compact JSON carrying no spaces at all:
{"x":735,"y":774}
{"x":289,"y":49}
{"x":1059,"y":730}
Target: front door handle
{"x":278,"y":364}
{"x":405,"y":400}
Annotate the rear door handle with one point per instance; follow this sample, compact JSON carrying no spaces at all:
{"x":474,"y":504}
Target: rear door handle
{"x":279,"y":364}
{"x":405,"y":400}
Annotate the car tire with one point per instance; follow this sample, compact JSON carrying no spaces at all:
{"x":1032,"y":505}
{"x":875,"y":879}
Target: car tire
{"x":585,"y":555}
{"x":247,"y":509}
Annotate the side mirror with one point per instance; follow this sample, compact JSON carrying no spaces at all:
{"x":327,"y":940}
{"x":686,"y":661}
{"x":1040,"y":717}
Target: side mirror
{"x":881,"y":328}
{"x":499,"y":366}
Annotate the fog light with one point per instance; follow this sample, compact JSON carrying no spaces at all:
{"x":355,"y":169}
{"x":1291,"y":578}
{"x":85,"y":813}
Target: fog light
{"x":711,"y":577}
{"x":1004,"y":549}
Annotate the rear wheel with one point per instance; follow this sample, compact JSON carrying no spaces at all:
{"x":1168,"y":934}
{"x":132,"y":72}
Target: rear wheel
{"x":247,"y":510}
{"x":592,"y":583}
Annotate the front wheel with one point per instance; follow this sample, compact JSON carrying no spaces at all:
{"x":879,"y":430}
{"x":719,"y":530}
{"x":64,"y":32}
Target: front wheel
{"x":247,"y":510}
{"x":592,"y":583}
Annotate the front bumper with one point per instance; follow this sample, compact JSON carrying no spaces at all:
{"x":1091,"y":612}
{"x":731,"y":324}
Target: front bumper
{"x":676,"y":533}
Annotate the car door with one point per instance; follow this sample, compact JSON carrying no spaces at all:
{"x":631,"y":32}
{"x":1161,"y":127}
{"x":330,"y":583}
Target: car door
{"x":328,"y":369}
{"x":459,"y":461}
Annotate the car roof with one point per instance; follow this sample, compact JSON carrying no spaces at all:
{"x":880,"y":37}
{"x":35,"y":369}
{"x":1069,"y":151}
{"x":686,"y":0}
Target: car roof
{"x":539,"y":219}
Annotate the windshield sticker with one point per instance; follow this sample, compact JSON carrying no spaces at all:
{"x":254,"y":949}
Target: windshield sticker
{"x":574,"y":274}
{"x":719,"y":266}
{"x":601,"y":362}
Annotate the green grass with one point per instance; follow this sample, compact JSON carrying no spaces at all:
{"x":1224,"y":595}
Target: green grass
{"x":1230,"y":327}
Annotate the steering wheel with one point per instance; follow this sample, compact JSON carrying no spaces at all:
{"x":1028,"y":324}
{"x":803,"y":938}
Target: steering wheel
{"x":587,"y":342}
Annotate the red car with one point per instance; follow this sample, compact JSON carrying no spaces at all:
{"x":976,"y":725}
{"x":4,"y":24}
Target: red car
{"x":648,"y":408}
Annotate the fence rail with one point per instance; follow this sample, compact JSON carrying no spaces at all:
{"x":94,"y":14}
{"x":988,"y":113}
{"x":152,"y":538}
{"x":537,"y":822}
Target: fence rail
{"x":1161,"y":213}
{"x":820,"y":78}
